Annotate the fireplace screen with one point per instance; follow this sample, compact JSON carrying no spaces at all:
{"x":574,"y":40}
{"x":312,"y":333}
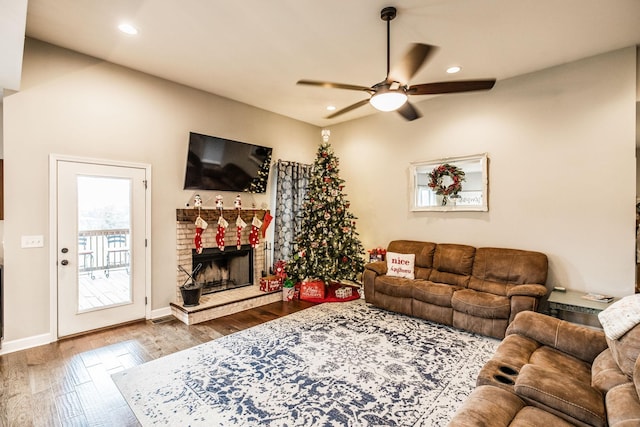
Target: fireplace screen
{"x":223,"y":270}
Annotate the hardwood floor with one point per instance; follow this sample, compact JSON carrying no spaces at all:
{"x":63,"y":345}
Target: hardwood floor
{"x":68,"y":383}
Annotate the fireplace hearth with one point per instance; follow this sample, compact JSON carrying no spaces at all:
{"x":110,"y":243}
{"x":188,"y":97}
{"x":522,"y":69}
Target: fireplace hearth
{"x":224,"y":270}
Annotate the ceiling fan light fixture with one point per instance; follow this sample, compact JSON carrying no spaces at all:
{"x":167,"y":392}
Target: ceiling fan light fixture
{"x":388,"y":100}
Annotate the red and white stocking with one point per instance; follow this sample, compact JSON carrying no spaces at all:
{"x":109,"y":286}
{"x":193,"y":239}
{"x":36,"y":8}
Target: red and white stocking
{"x":254,"y":235}
{"x":222,"y":226}
{"x":240,"y":224}
{"x":201,"y":225}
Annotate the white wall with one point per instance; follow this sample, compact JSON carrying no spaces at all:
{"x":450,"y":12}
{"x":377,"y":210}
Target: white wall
{"x":75,"y":105}
{"x":561,"y":146}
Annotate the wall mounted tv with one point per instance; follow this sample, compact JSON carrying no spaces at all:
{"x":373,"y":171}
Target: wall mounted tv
{"x":222,"y":164}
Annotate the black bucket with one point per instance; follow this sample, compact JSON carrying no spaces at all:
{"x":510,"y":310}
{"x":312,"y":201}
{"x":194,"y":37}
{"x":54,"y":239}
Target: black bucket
{"x":191,"y":295}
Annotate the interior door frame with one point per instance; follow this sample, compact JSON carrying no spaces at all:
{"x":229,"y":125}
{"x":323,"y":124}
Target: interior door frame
{"x":53,"y":230}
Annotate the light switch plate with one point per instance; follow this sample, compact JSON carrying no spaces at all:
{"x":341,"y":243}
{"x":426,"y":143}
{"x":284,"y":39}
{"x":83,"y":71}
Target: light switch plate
{"x":33,"y":241}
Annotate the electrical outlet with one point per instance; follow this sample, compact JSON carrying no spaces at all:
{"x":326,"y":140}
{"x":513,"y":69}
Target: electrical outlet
{"x":33,"y":241}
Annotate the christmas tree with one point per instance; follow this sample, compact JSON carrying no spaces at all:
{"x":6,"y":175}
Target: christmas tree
{"x":327,"y":246}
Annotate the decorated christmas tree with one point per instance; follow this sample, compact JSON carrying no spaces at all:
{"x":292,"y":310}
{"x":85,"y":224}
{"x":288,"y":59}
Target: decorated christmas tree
{"x":327,"y":246}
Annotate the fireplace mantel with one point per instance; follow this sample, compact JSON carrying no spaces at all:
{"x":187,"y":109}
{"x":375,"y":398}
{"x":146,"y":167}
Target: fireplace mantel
{"x":212,"y":215}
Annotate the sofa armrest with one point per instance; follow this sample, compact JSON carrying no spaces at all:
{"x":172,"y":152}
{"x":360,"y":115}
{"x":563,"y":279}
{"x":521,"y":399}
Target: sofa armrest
{"x":575,"y":340}
{"x":528,"y":290}
{"x":623,"y":406}
{"x":378,"y":267}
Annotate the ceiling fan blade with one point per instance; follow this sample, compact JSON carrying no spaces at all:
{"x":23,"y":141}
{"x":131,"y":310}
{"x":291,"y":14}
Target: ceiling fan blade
{"x":451,"y":87}
{"x":415,"y":57}
{"x":409,"y":112}
{"x":347,"y":109}
{"x":333,"y":85}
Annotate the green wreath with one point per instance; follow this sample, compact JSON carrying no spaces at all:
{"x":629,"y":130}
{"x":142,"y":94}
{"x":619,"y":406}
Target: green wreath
{"x":439,"y":172}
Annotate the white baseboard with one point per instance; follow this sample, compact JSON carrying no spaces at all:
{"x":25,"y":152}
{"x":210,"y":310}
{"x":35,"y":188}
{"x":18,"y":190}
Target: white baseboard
{"x":160,"y":312}
{"x":36,"y":340}
{"x":25,"y":343}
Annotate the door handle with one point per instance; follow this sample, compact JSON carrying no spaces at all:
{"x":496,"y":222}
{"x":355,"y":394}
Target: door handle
{"x":64,"y":262}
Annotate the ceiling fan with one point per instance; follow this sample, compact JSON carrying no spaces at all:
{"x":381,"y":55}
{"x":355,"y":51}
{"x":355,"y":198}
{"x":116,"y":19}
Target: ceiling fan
{"x":393,"y":92}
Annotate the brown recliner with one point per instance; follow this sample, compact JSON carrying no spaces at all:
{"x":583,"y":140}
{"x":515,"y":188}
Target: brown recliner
{"x":549,"y":372}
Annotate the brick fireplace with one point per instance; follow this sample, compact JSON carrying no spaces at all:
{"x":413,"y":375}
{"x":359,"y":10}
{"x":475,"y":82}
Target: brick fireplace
{"x":227,"y":301}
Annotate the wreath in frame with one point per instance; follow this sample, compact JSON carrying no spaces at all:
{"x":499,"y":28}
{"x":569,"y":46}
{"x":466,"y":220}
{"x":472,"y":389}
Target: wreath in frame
{"x":436,"y":181}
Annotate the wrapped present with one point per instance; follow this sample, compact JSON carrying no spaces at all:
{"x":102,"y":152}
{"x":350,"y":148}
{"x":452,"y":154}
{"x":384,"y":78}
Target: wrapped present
{"x":313,"y":289}
{"x":377,"y":254}
{"x":344,"y":292}
{"x":288,"y":294}
{"x":270,"y":284}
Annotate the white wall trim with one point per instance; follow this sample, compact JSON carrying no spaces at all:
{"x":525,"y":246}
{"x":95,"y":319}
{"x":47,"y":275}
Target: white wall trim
{"x":160,"y":312}
{"x":53,"y":232}
{"x":25,"y":343}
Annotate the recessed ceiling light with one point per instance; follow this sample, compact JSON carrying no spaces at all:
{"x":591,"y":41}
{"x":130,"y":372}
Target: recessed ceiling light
{"x":331,"y":107}
{"x":454,"y":69}
{"x":128,"y":29}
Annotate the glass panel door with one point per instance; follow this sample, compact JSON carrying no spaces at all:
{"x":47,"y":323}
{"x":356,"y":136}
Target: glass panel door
{"x":101,"y":251}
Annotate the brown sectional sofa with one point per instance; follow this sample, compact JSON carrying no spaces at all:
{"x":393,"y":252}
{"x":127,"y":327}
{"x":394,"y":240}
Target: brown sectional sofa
{"x":548,"y":372}
{"x":477,"y":289}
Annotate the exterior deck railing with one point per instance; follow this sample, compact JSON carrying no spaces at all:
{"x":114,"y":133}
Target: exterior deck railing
{"x":103,"y":250}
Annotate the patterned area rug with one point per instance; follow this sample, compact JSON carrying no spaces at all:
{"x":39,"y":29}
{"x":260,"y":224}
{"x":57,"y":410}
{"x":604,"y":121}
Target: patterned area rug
{"x":347,"y":364}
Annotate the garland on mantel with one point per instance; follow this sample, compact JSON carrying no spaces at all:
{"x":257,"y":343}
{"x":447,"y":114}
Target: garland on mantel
{"x":212,"y":215}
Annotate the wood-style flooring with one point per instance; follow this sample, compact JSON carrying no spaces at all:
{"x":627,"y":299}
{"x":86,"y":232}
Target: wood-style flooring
{"x":68,"y":383}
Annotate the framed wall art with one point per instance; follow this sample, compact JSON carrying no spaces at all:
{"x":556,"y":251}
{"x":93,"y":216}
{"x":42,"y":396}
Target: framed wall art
{"x":450,"y":184}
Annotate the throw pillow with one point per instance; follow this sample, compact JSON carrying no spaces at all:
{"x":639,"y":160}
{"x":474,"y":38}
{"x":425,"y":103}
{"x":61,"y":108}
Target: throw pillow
{"x":620,"y":316}
{"x":400,"y":265}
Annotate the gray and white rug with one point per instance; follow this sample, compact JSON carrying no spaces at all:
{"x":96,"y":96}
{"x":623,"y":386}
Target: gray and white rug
{"x":336,"y":364}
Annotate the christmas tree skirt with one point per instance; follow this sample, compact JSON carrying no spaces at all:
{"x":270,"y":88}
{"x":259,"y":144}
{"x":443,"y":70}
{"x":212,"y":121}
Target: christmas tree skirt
{"x":330,"y":295}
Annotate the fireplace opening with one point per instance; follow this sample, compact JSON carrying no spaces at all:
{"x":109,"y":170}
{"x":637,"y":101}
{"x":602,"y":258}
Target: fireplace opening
{"x":224,"y":270}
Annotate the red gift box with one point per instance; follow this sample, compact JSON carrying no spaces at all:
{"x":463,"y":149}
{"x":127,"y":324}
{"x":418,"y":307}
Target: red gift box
{"x":314,"y":289}
{"x":270,"y":284}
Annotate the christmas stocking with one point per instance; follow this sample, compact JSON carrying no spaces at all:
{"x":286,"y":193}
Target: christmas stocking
{"x":222,"y":225}
{"x":201,"y":225}
{"x":240,"y":224}
{"x":254,"y":235}
{"x":265,"y":223}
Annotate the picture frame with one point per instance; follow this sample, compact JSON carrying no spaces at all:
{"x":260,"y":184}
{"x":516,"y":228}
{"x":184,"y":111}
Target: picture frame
{"x":450,"y":184}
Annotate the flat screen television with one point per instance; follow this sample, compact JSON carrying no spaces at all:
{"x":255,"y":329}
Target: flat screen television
{"x":215,"y":163}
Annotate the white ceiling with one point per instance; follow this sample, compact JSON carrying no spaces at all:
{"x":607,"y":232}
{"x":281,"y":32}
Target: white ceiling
{"x":254,"y":51}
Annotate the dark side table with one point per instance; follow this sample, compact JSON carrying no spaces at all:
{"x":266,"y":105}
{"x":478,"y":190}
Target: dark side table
{"x":573,"y":301}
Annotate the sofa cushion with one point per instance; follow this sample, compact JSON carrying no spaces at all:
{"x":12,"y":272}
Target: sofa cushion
{"x":394,"y":286}
{"x":452,"y":264}
{"x":423,"y":252}
{"x":481,"y":304}
{"x":400,"y":265}
{"x":561,"y":395}
{"x":530,"y":416}
{"x":496,"y":270}
{"x":433,"y":293}
{"x":555,"y":360}
{"x":570,"y":338}
{"x":625,"y":350}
